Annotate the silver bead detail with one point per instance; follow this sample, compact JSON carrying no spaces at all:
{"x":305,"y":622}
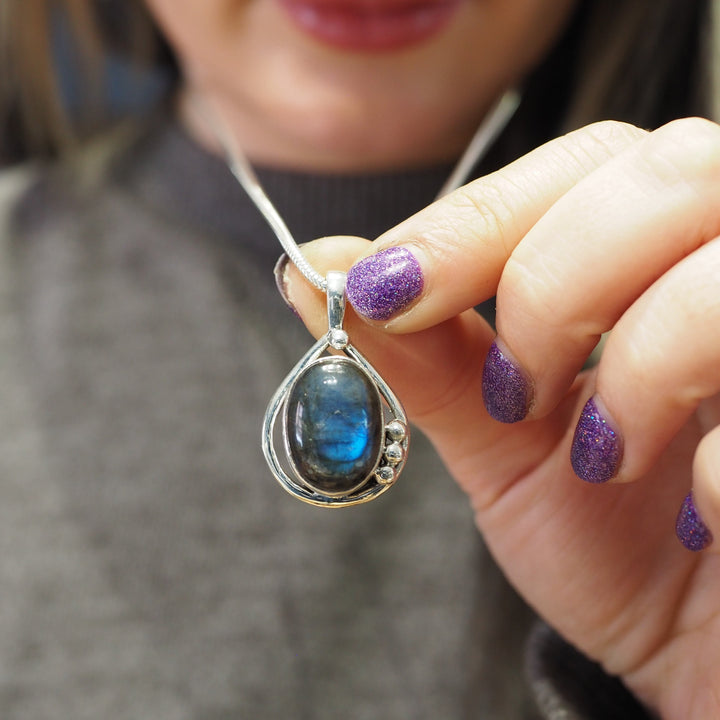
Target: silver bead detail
{"x":338,"y":339}
{"x":385,"y":475}
{"x":394,"y":453}
{"x":396,"y":431}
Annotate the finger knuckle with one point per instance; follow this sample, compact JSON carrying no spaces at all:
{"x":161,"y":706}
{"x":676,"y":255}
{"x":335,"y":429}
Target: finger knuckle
{"x":531,"y":284}
{"x":638,"y":355}
{"x":486,"y":199}
{"x":686,"y":150}
{"x":534,"y":291}
{"x":601,"y":141}
{"x":478,"y":218}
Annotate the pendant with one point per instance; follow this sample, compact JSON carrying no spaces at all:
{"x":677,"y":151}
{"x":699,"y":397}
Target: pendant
{"x":344,"y":435}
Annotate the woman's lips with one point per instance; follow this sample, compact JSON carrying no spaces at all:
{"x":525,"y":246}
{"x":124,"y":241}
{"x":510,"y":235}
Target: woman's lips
{"x":370,"y":26}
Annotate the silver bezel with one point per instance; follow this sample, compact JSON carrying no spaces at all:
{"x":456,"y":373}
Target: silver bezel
{"x":370,"y":488}
{"x":286,"y":438}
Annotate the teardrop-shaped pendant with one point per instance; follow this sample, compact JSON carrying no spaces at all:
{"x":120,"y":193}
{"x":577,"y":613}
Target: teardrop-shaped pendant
{"x":345,"y":434}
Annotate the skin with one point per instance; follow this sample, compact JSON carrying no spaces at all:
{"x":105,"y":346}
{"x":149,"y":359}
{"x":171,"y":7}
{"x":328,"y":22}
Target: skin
{"x":600,"y":562}
{"x":305,"y":105}
{"x":609,"y":227}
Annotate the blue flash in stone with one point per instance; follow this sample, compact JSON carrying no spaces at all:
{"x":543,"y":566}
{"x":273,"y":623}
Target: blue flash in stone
{"x":334,"y":425}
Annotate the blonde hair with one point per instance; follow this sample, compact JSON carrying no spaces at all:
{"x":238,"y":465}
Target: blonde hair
{"x":643,"y":61}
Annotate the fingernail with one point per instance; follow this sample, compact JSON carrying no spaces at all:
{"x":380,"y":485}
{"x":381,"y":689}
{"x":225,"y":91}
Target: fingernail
{"x":506,"y":391}
{"x":280,"y":272}
{"x":597,"y":447}
{"x":689,"y":527}
{"x":383,"y":284}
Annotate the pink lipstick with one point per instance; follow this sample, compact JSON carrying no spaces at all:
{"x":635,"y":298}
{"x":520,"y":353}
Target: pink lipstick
{"x":371,"y":25}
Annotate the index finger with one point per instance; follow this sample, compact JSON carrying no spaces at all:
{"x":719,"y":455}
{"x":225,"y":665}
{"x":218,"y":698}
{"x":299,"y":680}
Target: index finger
{"x":468,"y":235}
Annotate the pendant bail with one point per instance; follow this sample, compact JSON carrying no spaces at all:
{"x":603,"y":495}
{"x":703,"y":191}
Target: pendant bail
{"x":337,"y":337}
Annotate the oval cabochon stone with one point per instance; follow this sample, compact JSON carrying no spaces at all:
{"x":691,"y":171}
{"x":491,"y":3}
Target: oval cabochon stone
{"x":334,"y":425}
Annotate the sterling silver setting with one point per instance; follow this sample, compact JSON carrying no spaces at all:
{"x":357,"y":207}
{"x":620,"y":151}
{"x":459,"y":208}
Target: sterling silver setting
{"x":396,"y":435}
{"x":395,"y":439}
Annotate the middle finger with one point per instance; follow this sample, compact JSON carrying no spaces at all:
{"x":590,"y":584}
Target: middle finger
{"x":593,"y":253}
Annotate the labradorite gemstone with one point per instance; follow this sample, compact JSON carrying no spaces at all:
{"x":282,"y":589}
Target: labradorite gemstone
{"x":334,"y":425}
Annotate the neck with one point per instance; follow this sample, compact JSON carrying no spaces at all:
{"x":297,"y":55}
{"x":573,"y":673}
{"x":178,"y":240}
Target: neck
{"x":325,"y":149}
{"x":221,"y":132}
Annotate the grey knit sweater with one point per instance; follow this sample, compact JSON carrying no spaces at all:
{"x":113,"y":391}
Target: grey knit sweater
{"x":150,"y":565}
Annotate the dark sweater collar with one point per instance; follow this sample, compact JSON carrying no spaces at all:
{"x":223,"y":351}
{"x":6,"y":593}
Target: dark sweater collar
{"x":195,"y":187}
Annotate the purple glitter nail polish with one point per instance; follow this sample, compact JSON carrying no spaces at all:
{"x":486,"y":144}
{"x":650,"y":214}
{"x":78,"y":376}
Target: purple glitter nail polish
{"x":383,"y":284}
{"x":690,"y":528}
{"x":596,"y":449}
{"x":505,"y":389}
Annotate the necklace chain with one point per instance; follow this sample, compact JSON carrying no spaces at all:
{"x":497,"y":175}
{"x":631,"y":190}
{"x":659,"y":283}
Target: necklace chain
{"x":489,"y":129}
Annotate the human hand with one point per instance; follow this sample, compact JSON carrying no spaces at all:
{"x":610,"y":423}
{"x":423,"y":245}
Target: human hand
{"x":607,"y":228}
